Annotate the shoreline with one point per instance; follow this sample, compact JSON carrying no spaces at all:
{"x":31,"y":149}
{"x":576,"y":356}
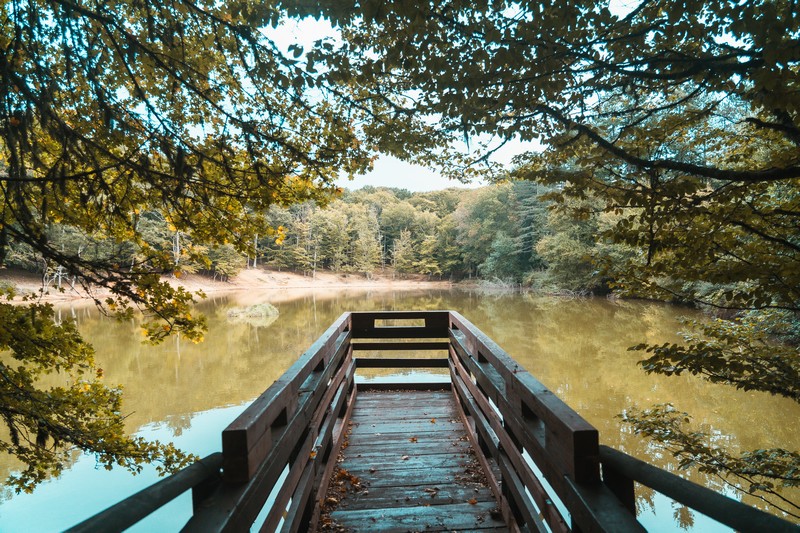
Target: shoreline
{"x":249,"y":280}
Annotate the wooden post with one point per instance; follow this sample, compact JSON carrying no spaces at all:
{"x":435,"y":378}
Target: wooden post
{"x":622,"y":487}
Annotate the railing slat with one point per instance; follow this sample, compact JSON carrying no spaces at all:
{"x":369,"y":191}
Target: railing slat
{"x":339,"y":433}
{"x":594,"y":507}
{"x":235,"y":506}
{"x":538,"y":492}
{"x":513,"y":487}
{"x":557,"y":438}
{"x":311,"y":446}
{"x":400,"y":362}
{"x":299,"y":503}
{"x":551,"y":445}
{"x":567,"y":435}
{"x":436,"y":322}
{"x":400,"y":346}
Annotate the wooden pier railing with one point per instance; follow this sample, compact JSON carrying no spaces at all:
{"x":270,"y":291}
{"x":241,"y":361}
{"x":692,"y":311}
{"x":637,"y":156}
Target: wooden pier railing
{"x":543,"y":462}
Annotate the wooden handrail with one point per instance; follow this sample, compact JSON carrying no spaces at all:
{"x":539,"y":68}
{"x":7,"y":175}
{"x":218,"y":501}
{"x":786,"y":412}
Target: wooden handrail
{"x":436,"y":325}
{"x":721,"y":508}
{"x":296,"y":425}
{"x":514,"y":415}
{"x":132,"y":509}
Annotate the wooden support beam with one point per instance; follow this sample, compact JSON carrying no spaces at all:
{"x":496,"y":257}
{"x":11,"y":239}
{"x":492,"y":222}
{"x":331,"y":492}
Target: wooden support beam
{"x":400,"y":362}
{"x":401,"y":346}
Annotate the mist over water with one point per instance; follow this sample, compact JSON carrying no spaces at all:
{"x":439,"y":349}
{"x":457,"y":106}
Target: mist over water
{"x":188,"y":393}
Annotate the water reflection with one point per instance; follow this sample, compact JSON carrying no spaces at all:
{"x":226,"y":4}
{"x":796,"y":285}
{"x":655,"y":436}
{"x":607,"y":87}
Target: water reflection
{"x":188,"y":392}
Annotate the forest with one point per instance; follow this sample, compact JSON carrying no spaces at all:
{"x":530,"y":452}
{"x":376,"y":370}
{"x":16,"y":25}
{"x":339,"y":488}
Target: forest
{"x":504,"y":234}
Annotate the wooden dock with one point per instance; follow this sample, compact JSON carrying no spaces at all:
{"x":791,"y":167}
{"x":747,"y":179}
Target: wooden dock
{"x":490,"y":448}
{"x":413,"y":467}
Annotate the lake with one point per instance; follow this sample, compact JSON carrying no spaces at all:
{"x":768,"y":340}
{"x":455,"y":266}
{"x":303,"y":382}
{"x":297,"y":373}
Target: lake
{"x":187,"y":393}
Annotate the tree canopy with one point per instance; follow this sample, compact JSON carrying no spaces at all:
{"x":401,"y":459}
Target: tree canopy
{"x":113,"y":115}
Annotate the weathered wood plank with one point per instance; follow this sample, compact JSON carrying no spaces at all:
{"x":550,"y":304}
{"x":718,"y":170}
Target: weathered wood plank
{"x":452,"y":517}
{"x":408,"y":415}
{"x":384,"y":497}
{"x":399,"y":439}
{"x":382,"y":399}
{"x":411,"y":463}
{"x":408,"y":412}
{"x":404,"y":461}
{"x":369,"y":386}
{"x":410,"y":427}
{"x":420,"y":447}
{"x":400,"y":417}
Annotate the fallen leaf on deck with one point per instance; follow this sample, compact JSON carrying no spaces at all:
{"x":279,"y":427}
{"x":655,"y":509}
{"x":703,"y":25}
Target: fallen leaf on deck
{"x":412,"y":439}
{"x":433,"y":420}
{"x":473,"y":501}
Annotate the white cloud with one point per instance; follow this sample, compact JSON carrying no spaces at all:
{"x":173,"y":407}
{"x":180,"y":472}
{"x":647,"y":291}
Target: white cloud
{"x":392,"y":172}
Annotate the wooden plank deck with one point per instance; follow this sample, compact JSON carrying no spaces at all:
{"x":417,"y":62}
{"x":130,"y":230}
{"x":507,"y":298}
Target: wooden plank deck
{"x":409,"y":466}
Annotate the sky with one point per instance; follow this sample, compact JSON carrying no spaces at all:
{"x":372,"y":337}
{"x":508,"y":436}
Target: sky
{"x":391,"y":172}
{"x":388,"y":171}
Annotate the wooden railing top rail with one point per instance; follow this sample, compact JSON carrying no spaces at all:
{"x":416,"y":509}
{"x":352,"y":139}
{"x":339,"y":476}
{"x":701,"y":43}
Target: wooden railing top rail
{"x":721,"y":508}
{"x":294,"y":427}
{"x":134,"y":508}
{"x":514,"y":414}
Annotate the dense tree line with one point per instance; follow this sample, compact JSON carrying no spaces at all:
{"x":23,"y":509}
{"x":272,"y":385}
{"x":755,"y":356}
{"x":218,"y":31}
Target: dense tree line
{"x":504,"y":233}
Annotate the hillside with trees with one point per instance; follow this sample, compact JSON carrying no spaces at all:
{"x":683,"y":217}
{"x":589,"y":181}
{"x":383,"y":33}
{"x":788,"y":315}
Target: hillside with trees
{"x":507,"y":234}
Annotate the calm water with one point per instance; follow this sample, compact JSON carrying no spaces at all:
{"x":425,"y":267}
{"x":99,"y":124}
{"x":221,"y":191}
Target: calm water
{"x":188,"y":393}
